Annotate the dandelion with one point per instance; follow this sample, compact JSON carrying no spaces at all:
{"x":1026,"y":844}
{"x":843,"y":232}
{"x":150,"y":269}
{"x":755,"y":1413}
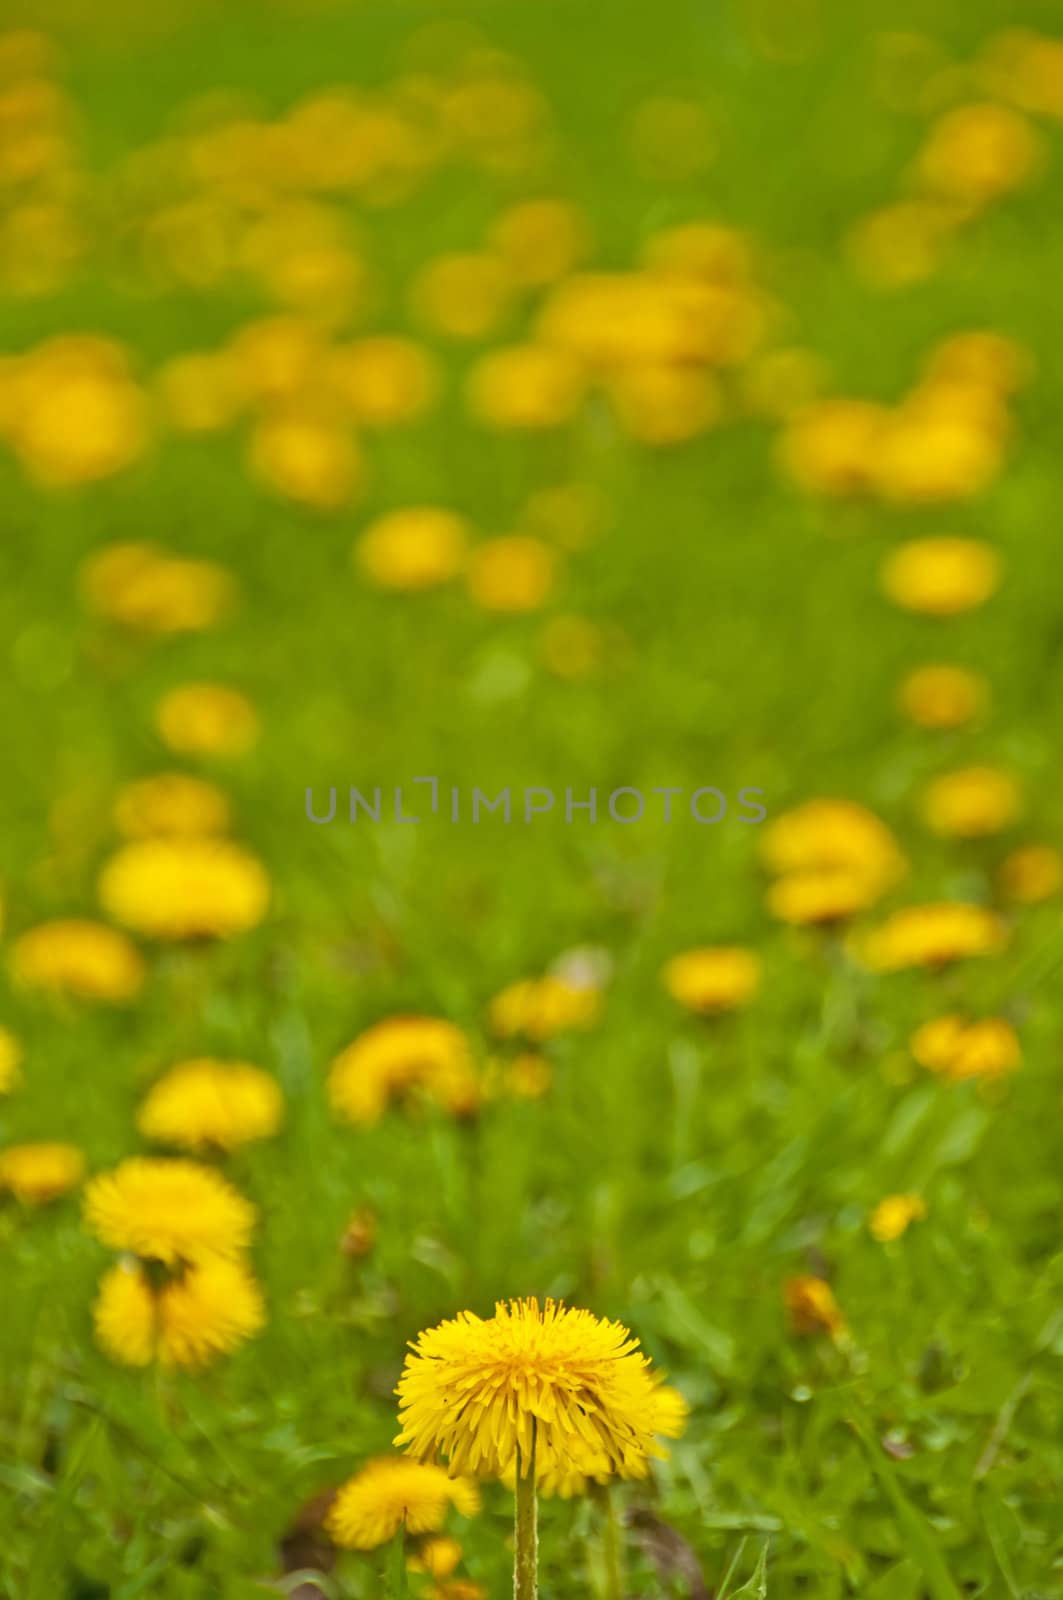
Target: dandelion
{"x":894,"y":1215}
{"x":392,"y":1493}
{"x":168,"y":1210}
{"x":539,"y":1008}
{"x":941,"y":577}
{"x":942,"y":697}
{"x":1031,"y":874}
{"x":525,"y":388}
{"x":185,"y":888}
{"x":972,"y":803}
{"x":86,"y":960}
{"x":10,"y":1060}
{"x":208,"y":719}
{"x":931,"y":935}
{"x":384,"y":381}
{"x":713,"y":979}
{"x":173,"y":803}
{"x":417,"y":547}
{"x":399,"y":1058}
{"x":146,"y":588}
{"x":307,"y":458}
{"x":821,"y":896}
{"x":956,"y":1049}
{"x":540,"y":241}
{"x":528,"y":1076}
{"x":666,"y":403}
{"x":833,"y":835}
{"x":976,"y":153}
{"x":512,"y":574}
{"x":205,"y":1104}
{"x":37,"y":1173}
{"x":188,"y":1320}
{"x":462,"y":296}
{"x":812,"y":1308}
{"x":830,"y":447}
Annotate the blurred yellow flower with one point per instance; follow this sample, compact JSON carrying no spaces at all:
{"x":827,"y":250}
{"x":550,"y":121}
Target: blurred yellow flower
{"x":37,"y":1173}
{"x":976,"y":153}
{"x":943,"y":697}
{"x":664,"y":404}
{"x":941,"y":577}
{"x":528,"y":1076}
{"x":972,"y":803}
{"x":199,"y":392}
{"x":931,"y":936}
{"x":75,"y":957}
{"x":384,"y":381}
{"x":359,"y":1236}
{"x":462,"y":296}
{"x":170,"y":803}
{"x":983,"y":359}
{"x":400,"y":1057}
{"x":820,"y":896}
{"x":957,"y":1049}
{"x":834,"y":835}
{"x":811,"y":1307}
{"x":1031,"y":874}
{"x":831,"y":446}
{"x":189,"y":1320}
{"x":10,"y":1060}
{"x":185,"y":888}
{"x":893,"y":1216}
{"x":526,"y":387}
{"x":713,"y":978}
{"x":392,"y":1493}
{"x":539,"y":1008}
{"x":478,"y":1392}
{"x":900,"y":244}
{"x":205,"y":1104}
{"x":143,"y":586}
{"x":168,"y":1210}
{"x":417,"y":547}
{"x":511,"y":574}
{"x":207,"y":719}
{"x":81,"y":417}
{"x":306,"y":457}
{"x":540,"y":240}
{"x":438,"y":1557}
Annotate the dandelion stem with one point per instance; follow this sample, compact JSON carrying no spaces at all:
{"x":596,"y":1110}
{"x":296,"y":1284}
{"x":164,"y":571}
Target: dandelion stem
{"x":612,"y":1548}
{"x":526,"y":1530}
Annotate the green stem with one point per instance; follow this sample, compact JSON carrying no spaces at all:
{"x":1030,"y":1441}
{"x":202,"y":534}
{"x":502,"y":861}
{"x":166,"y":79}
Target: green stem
{"x":526,"y":1531}
{"x":613,"y":1548}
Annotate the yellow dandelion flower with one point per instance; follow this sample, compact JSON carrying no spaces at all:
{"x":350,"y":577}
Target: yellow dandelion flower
{"x":307,"y":458}
{"x":190,"y":1320}
{"x":713,"y":979}
{"x":941,"y":577}
{"x":275,"y":358}
{"x":830,"y":447}
{"x":438,"y":1557}
{"x":392,"y":1493}
{"x":539,"y":1008}
{"x":37,"y":1173}
{"x":191,"y":888}
{"x":1031,"y":874}
{"x":76,"y":957}
{"x":575,"y":1389}
{"x":10,"y":1060}
{"x":701,"y":250}
{"x":540,"y":241}
{"x":893,"y":1216}
{"x":418,"y":547}
{"x":526,"y":387}
{"x":943,"y":697}
{"x":384,"y":381}
{"x":972,"y":803}
{"x":81,"y":417}
{"x":168,"y":1210}
{"x":462,"y":296}
{"x":956,"y":1049}
{"x":170,"y":803}
{"x":144,"y":587}
{"x":528,"y":1076}
{"x":207,"y":719}
{"x":512,"y":574}
{"x":931,"y":936}
{"x":811,"y":1307}
{"x":976,"y":153}
{"x":399,"y":1058}
{"x":199,"y":392}
{"x":665,"y":404}
{"x":834,"y":835}
{"x":982,"y":358}
{"x":821,"y":896}
{"x":207,"y":1104}
{"x":939,"y":446}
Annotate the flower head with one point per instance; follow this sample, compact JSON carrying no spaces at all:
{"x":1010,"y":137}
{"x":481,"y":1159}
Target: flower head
{"x":189,"y":1320}
{"x":811,"y":1306}
{"x":972,"y":802}
{"x":416,"y":547}
{"x":942,"y":697}
{"x":207,"y":719}
{"x":931,"y":936}
{"x":576,"y":1389}
{"x":37,"y":1173}
{"x":393,"y":1492}
{"x":831,"y":834}
{"x":956,"y":1048}
{"x":185,"y":888}
{"x":10,"y":1057}
{"x":205,"y":1104}
{"x":941,"y":577}
{"x":539,"y":1008}
{"x":1031,"y":874}
{"x":170,"y":1211}
{"x":893,"y":1216}
{"x":146,"y":588}
{"x":76,"y":957}
{"x":713,"y":979}
{"x":399,"y":1057}
{"x":171,"y":803}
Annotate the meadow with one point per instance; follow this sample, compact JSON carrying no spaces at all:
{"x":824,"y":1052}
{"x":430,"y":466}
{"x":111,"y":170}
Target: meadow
{"x":543,"y":400}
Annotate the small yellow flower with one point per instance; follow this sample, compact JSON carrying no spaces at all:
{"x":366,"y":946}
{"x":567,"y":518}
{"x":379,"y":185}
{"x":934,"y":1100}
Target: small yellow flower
{"x":144,"y":587}
{"x":833,"y":835}
{"x":943,"y":697}
{"x":821,"y":896}
{"x":665,"y":404}
{"x":171,"y":803}
{"x":307,"y":458}
{"x":417,"y":547}
{"x":205,"y":1104}
{"x":392,"y":1493}
{"x":10,"y":1060}
{"x":713,"y":978}
{"x":901,"y":244}
{"x":438,"y":1557}
{"x":525,"y":388}
{"x":1031,"y":874}
{"x":384,"y":381}
{"x":484,"y":1393}
{"x":957,"y":1049}
{"x":528,"y":1076}
{"x":199,"y":392}
{"x":462,"y":296}
{"x":941,"y":577}
{"x":400,"y":1057}
{"x":540,"y":241}
{"x":976,"y":153}
{"x":830,"y":447}
{"x":931,"y":936}
{"x":892,"y":1216}
{"x":972,"y":803}
{"x":185,"y":888}
{"x":207,"y":719}
{"x":811,"y":1307}
{"x":539,"y":1008}
{"x":188,"y":1320}
{"x":37,"y":1173}
{"x":168,"y":1210}
{"x":983,"y":359}
{"x":81,"y":416}
{"x":75,"y":957}
{"x":512,"y":574}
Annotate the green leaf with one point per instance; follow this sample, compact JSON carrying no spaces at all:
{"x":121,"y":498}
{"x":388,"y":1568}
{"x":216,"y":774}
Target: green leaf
{"x":918,"y":1536}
